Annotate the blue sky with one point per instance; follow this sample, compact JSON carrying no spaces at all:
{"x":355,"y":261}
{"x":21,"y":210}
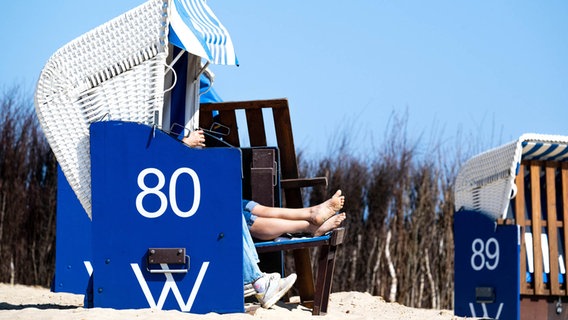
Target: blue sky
{"x":473,"y":72}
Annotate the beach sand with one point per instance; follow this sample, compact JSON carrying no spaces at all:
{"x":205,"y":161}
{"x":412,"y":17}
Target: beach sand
{"x":27,"y":302}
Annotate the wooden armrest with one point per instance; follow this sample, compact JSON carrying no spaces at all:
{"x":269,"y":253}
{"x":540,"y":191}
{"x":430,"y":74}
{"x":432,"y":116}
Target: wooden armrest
{"x":337,"y":236}
{"x":302,"y":182}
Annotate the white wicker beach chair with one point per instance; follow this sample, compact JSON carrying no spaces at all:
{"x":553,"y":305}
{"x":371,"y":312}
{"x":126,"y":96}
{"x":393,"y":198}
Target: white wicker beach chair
{"x":486,"y":182}
{"x":116,"y":71}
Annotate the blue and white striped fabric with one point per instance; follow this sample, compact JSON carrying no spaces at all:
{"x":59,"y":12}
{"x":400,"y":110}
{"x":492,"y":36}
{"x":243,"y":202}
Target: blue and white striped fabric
{"x":194,"y":28}
{"x":538,"y":150}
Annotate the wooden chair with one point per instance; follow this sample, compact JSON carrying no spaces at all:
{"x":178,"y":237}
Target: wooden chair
{"x":317,"y":296}
{"x":541,"y":209}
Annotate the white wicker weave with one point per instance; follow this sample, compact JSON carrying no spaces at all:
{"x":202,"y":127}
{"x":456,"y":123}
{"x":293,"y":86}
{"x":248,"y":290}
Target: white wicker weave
{"x":115,"y":71}
{"x":486,"y":182}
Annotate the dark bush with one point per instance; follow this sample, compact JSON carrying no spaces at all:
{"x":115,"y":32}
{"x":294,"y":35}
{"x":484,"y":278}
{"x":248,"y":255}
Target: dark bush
{"x":27,"y":195}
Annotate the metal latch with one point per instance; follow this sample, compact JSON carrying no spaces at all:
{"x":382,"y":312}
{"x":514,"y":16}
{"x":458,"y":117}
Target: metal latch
{"x":164,"y":257}
{"x":484,"y":294}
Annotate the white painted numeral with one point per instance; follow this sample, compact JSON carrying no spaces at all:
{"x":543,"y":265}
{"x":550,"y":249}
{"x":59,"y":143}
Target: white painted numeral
{"x":196,"y":195}
{"x":485,"y":254}
{"x":157,"y":191}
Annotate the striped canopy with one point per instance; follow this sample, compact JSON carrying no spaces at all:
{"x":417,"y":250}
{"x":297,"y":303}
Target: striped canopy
{"x":555,"y":150}
{"x":196,"y":29}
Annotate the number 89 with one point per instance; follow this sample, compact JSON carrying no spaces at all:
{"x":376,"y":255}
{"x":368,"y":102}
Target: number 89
{"x":485,"y":254}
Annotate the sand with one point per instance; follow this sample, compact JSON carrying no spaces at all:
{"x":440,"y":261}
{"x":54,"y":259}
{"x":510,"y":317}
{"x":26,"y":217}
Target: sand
{"x":27,"y":302}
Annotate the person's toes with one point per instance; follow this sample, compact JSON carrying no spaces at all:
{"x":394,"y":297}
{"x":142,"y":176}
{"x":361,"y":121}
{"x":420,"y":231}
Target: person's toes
{"x":330,"y":224}
{"x":337,"y":201}
{"x":329,"y":208}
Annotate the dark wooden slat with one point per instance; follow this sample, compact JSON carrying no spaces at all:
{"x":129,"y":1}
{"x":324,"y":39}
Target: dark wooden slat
{"x":321,"y":285}
{"x":550,"y":172}
{"x":520,"y":218}
{"x":532,"y":308}
{"x":536,"y":227}
{"x":303,"y":182}
{"x":337,"y":236}
{"x":283,"y":128}
{"x":289,"y":165}
{"x":325,"y":276}
{"x":506,"y":222}
{"x":229,"y":118}
{"x":255,"y":126}
{"x":327,"y":280}
{"x":205,"y":119}
{"x":245,"y":105}
{"x":544,"y":223}
{"x":305,"y":281}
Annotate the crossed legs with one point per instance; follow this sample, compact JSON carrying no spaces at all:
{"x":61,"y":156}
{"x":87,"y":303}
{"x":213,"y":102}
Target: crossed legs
{"x":271,"y":222}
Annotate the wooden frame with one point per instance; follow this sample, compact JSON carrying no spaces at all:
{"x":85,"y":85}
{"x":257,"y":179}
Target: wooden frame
{"x":315,"y":297}
{"x":541,"y":208}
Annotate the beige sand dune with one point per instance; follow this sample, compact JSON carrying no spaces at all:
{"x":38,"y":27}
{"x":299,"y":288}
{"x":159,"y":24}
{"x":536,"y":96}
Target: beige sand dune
{"x":26,"y":302}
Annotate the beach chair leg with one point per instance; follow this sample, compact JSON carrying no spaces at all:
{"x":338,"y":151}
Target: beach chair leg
{"x":329,"y":277}
{"x":321,"y":281}
{"x":326,"y":264}
{"x":305,"y":282}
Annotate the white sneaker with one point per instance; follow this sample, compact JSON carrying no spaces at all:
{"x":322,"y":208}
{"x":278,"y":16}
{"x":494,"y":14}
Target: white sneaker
{"x":274,"y":288}
{"x":249,"y":290}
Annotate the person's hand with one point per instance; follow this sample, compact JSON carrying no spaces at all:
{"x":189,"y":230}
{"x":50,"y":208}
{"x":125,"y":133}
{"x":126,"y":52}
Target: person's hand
{"x":195,"y":139}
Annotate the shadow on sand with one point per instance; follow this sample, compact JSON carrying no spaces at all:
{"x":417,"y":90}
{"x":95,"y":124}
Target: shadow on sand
{"x":45,"y":306}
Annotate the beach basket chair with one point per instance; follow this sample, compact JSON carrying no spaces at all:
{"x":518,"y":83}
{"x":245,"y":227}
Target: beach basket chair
{"x":523,"y":184}
{"x":113,"y":77}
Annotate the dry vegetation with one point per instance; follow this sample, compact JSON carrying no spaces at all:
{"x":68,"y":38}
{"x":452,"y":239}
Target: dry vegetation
{"x":399,"y":242}
{"x":400,"y":209}
{"x":27,"y":195}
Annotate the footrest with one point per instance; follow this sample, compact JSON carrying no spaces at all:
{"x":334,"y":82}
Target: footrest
{"x":284,"y":241}
{"x":332,"y":238}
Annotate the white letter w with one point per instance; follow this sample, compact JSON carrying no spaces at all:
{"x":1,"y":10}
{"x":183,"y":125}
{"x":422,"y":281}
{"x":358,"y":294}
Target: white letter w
{"x":170,"y":284}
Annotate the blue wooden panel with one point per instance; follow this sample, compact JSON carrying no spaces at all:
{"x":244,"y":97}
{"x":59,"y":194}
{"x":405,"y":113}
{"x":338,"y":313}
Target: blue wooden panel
{"x":487,"y":258}
{"x":151,"y":191}
{"x":72,"y":241}
{"x":73,"y":231}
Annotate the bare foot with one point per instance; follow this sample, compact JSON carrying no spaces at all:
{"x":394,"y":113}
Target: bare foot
{"x":327,"y":209}
{"x":330,"y":224}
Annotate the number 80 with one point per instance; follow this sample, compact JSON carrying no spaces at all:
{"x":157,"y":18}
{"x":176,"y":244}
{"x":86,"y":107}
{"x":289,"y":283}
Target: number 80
{"x":157,"y":190}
